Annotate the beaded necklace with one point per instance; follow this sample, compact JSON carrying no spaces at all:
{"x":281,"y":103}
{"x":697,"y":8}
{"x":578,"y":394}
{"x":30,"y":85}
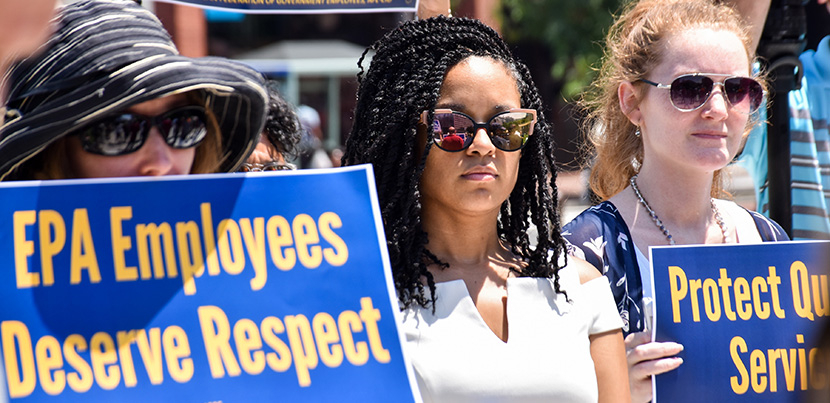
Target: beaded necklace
{"x":659,"y":223}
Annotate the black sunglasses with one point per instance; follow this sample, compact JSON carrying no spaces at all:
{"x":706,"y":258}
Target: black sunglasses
{"x":125,"y":133}
{"x":691,"y":91}
{"x":455,"y":131}
{"x":270,"y":166}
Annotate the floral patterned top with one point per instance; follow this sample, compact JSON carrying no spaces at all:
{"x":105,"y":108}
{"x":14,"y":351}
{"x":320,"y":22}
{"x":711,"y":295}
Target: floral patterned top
{"x":601,"y":236}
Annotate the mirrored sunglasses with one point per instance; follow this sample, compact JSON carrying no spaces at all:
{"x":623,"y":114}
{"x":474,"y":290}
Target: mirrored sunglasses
{"x":125,"y":133}
{"x":270,"y":166}
{"x":455,"y":131}
{"x":691,"y":91}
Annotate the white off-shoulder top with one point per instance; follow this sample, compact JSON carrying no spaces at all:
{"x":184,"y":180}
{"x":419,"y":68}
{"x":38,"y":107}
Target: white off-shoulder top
{"x":458,"y":358}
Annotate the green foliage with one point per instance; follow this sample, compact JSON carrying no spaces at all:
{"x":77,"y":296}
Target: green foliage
{"x":572,"y":30}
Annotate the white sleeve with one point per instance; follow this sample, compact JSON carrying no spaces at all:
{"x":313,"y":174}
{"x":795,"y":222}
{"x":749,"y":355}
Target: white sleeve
{"x":600,"y":306}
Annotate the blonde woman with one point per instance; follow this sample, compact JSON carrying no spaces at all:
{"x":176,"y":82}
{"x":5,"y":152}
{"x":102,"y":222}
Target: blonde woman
{"x":670,"y":109}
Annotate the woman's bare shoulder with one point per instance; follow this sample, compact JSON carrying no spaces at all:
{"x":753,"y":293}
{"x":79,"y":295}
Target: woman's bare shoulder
{"x":586,"y":271}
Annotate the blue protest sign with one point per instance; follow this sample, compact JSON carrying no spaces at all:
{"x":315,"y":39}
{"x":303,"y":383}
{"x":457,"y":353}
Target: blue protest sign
{"x":748,"y":316}
{"x":303,"y":6}
{"x":238,"y":287}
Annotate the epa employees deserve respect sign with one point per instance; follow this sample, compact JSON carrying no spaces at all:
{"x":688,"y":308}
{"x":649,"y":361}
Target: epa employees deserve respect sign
{"x":748,"y":316}
{"x":256,"y":287}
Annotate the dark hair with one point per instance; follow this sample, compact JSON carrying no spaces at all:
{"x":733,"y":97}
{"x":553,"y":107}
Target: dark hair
{"x":404,"y":79}
{"x":281,"y":124}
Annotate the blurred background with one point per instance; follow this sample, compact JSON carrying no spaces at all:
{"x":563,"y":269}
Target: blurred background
{"x":313,"y":59}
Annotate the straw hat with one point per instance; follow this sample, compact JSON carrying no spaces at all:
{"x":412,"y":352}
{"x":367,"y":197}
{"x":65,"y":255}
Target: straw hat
{"x":108,"y":55}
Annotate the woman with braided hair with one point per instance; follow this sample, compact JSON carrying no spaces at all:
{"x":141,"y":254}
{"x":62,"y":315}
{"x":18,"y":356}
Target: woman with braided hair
{"x":457,"y":207}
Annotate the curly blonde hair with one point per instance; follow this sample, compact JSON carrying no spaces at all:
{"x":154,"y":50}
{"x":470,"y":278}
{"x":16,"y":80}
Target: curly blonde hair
{"x":633,"y":49}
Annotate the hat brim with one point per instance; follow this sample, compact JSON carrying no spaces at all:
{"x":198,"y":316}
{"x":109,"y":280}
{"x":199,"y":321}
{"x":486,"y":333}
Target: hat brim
{"x":234,"y":92}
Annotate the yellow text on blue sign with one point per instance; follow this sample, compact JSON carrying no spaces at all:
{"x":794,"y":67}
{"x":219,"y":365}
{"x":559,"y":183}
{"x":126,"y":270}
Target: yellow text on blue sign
{"x":746,"y":299}
{"x":757,"y":297}
{"x":231,"y":348}
{"x":166,"y":250}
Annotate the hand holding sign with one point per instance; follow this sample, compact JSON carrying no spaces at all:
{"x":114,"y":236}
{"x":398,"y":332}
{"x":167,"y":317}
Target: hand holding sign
{"x":647,"y":358}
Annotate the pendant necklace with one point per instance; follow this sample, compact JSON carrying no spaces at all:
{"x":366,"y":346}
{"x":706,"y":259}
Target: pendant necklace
{"x":662,"y":227}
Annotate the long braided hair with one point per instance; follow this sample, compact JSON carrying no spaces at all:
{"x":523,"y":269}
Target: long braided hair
{"x":404,"y":79}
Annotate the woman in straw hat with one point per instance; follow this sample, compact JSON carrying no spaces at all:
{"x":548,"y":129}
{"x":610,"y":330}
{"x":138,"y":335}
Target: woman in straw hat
{"x":110,"y":96}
